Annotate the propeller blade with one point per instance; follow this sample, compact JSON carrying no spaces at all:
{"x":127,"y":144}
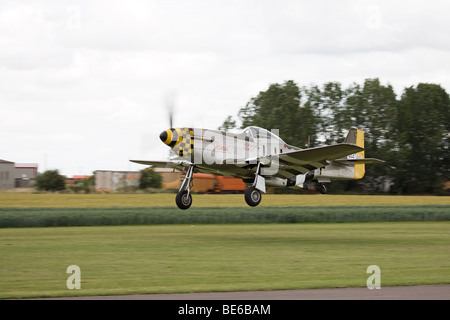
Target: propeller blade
{"x":170,"y":105}
{"x":171,"y":118}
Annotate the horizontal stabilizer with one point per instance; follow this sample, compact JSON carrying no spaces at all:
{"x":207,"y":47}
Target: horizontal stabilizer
{"x":359,"y":161}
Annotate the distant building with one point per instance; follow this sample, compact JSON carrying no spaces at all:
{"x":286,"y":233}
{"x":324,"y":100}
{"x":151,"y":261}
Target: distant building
{"x":6,"y":174}
{"x":24,"y":174}
{"x":107,"y":181}
{"x":17,"y":175}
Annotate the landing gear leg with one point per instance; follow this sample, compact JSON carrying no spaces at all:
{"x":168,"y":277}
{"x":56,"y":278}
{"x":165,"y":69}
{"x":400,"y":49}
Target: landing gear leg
{"x":184,"y":197}
{"x":253,"y":194}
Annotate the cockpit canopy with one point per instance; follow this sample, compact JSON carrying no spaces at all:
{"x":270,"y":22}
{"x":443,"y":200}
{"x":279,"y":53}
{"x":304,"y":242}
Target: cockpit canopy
{"x":254,"y":132}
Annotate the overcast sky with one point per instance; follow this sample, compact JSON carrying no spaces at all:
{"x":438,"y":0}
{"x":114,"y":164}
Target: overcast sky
{"x":83,"y":84}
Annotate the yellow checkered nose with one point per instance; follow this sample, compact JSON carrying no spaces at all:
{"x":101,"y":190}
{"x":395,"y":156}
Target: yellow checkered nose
{"x":168,"y":137}
{"x":181,"y":140}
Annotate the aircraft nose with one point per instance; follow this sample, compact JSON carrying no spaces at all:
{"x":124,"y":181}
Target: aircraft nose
{"x":163,"y":136}
{"x":169,"y":137}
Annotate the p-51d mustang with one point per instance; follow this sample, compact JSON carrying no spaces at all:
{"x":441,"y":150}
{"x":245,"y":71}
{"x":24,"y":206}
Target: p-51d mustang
{"x":261,"y":159}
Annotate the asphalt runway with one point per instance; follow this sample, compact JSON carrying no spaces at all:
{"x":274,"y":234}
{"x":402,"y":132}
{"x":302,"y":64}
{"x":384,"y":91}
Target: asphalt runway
{"x":428,"y":292}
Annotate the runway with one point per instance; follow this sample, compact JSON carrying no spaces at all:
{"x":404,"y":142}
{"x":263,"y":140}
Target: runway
{"x":427,"y":292}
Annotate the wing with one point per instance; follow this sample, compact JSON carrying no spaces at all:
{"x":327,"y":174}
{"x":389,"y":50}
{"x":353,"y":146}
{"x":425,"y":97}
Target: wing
{"x":301,"y":161}
{"x":232,"y":170}
{"x":177,"y":164}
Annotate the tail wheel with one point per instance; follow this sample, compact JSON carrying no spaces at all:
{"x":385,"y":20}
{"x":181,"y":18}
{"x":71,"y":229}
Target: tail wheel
{"x":252,"y":196}
{"x":322,"y":189}
{"x":183,"y":200}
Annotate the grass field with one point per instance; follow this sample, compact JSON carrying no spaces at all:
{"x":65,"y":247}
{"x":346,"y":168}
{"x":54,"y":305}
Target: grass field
{"x":71,"y":217}
{"x":181,"y":251}
{"x":43,"y":210}
{"x":10,"y":200}
{"x":193,"y":258}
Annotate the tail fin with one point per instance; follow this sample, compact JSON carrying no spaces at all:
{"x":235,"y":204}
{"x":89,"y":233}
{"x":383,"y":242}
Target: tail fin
{"x":356,"y":136}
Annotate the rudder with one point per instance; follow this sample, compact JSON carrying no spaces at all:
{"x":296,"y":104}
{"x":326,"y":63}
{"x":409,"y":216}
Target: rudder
{"x":356,"y":136}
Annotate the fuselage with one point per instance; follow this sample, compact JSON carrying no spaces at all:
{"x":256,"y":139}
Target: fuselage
{"x":209,"y":147}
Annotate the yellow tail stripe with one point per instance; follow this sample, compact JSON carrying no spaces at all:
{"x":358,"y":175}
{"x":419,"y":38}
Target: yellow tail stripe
{"x":360,"y":168}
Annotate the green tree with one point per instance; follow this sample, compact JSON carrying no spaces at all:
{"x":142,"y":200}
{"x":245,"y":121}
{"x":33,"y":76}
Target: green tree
{"x":423,"y":139}
{"x":327,"y":104}
{"x":88,"y":184}
{"x":228,"y":124}
{"x":279,"y":107}
{"x":370,"y":107}
{"x":411,"y":134}
{"x":150,"y":179}
{"x":373,"y":109}
{"x":50,"y":180}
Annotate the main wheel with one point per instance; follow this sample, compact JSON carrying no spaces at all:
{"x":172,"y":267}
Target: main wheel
{"x":252,"y":196}
{"x":183,"y":200}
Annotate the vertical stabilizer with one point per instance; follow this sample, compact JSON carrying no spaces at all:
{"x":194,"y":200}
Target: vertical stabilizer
{"x":356,"y":136}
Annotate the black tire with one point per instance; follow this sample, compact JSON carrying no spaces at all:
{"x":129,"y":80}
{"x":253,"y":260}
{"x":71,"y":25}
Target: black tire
{"x":252,"y":196}
{"x":182,"y":200}
{"x":322,"y":189}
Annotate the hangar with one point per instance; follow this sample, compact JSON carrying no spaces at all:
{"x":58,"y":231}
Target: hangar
{"x":109,"y":180}
{"x":17,"y":175}
{"x":6,"y":174}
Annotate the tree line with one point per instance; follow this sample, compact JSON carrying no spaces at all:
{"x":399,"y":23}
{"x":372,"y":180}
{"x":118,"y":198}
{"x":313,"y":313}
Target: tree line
{"x":411,"y":132}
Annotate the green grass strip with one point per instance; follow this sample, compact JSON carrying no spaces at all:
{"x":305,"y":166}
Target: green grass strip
{"x":57,"y":217}
{"x":220,"y":257}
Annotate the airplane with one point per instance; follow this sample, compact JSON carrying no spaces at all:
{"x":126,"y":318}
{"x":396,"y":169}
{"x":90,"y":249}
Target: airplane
{"x":261,"y":159}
